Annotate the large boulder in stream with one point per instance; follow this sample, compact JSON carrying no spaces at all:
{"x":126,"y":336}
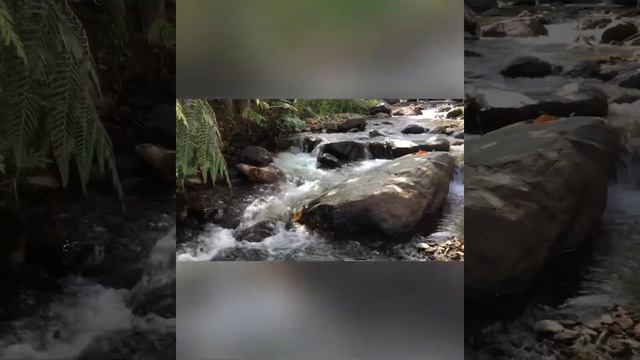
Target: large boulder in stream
{"x":495,"y":108}
{"x":531,"y":191}
{"x":387,"y":200}
{"x":345,"y":150}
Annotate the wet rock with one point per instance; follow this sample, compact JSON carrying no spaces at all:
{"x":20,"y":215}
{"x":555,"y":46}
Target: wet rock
{"x":257,"y":232}
{"x":241,"y":254}
{"x":455,"y":113}
{"x":629,"y":79}
{"x":458,"y":134}
{"x":404,"y":109}
{"x":381,"y":108}
{"x":345,"y":150}
{"x":161,"y":159}
{"x":438,"y":130}
{"x":618,"y":31}
{"x":471,"y":53}
{"x":524,"y":175}
{"x":529,"y":66}
{"x":346,"y":125}
{"x":398,"y":148}
{"x":594,"y":23}
{"x":413,"y":129}
{"x":548,"y":327}
{"x":390,"y":199}
{"x":328,"y":161}
{"x":310,"y":142}
{"x":488,"y":113}
{"x":471,"y":26}
{"x":266,"y":174}
{"x":255,"y":156}
{"x":585,"y":69}
{"x":376,"y":133}
{"x":566,"y":335}
{"x":515,"y":28}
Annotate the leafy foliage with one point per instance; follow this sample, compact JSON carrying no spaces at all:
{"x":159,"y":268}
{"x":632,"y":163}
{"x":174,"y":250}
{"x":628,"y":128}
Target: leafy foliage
{"x":334,"y":106}
{"x":198,"y":141}
{"x":47,"y":96}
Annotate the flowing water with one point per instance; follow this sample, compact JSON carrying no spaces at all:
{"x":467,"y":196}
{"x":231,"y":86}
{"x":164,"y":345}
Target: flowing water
{"x":589,"y":282}
{"x":305,"y":182}
{"x":90,"y":321}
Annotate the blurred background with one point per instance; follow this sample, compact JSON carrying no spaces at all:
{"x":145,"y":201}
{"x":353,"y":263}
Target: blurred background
{"x":245,"y":310}
{"x":328,"y":49}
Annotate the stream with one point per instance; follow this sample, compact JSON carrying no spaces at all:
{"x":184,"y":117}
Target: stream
{"x":304,"y":182}
{"x":93,"y":315}
{"x":604,"y":275}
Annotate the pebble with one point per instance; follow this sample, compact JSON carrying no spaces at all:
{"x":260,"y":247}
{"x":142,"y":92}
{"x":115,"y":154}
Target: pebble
{"x":548,"y":326}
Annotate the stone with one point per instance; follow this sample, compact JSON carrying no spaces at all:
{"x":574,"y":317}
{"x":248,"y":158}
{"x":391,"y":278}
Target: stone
{"x":520,"y":27}
{"x":413,"y":129}
{"x":328,"y":161}
{"x":255,"y":156}
{"x":387,"y":200}
{"x":255,"y":233}
{"x":380,"y":108}
{"x":623,"y":320}
{"x":593,"y":23}
{"x":376,"y":133}
{"x":548,"y":326}
{"x":618,"y":31}
{"x":566,"y":335}
{"x":529,"y":66}
{"x":345,"y":150}
{"x":455,"y":113}
{"x":160,"y":159}
{"x":481,"y":5}
{"x":439,"y":130}
{"x":499,"y":108}
{"x":265,"y":174}
{"x":524,"y":175}
{"x":629,"y":79}
{"x":346,"y":125}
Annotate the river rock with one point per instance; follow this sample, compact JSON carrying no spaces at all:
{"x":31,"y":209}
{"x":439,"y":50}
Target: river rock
{"x":520,"y":177}
{"x":497,"y":108}
{"x":594,"y":23}
{"x":455,"y":113}
{"x":521,"y":27}
{"x":345,"y":125}
{"x":376,"y":133}
{"x":406,"y":109}
{"x":529,"y":66}
{"x":548,"y":326}
{"x":255,"y":233}
{"x":159,"y":158}
{"x":255,"y":156}
{"x":629,"y":79}
{"x":380,"y":108}
{"x":471,"y":26}
{"x":390,"y":199}
{"x":345,"y":150}
{"x":618,"y":31}
{"x":413,"y":129}
{"x":328,"y":161}
{"x":265,"y":174}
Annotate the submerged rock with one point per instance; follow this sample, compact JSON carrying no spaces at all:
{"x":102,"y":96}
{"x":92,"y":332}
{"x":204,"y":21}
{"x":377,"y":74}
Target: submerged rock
{"x":328,"y":161}
{"x":544,"y":186}
{"x":257,"y":232}
{"x":390,"y":199}
{"x":266,"y":174}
